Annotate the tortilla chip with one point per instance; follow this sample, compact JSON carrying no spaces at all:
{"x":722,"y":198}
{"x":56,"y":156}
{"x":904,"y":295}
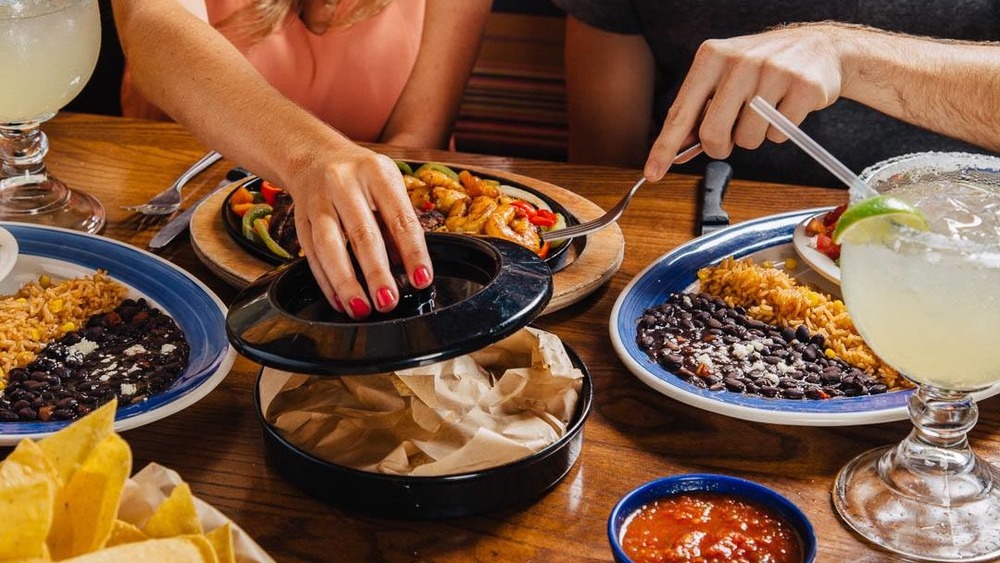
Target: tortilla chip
{"x":27,"y":463}
{"x":68,"y":448}
{"x":176,"y":516}
{"x":86,"y":507}
{"x":26,"y":514}
{"x":221,"y":539}
{"x":123,"y":532}
{"x":189,"y":549}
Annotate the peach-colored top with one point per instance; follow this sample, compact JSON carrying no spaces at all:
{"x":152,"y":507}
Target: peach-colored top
{"x":350,"y":78}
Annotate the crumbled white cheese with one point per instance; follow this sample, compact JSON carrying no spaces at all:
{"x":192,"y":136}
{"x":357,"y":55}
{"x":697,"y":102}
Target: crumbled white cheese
{"x":128,"y":389}
{"x":82,"y":348}
{"x":704,"y":359}
{"x":104,"y":377}
{"x":740,"y":350}
{"x":134,"y":349}
{"x":784,"y":368}
{"x":167,"y":348}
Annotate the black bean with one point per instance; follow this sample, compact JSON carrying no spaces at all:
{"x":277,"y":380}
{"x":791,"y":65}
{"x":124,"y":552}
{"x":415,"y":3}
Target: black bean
{"x":793,"y":393}
{"x":769,"y":391}
{"x":734,"y":385}
{"x":802,"y":333}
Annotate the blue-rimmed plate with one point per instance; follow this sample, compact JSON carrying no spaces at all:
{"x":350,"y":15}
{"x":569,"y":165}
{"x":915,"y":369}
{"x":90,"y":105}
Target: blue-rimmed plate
{"x":62,"y":253}
{"x":767,"y":238}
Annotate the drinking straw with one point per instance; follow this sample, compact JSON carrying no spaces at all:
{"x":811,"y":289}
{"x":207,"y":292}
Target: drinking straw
{"x":812,"y":148}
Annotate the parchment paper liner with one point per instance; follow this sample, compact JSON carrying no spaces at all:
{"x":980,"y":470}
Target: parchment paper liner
{"x":485,"y":409}
{"x":148,"y":488}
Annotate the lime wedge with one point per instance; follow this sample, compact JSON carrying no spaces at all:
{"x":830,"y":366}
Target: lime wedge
{"x":872,"y":218}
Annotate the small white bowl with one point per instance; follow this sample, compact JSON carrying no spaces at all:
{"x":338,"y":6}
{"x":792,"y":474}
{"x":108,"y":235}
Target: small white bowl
{"x":8,"y":252}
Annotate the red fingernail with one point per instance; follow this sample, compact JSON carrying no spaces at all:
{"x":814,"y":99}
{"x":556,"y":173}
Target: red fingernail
{"x":421,"y":276}
{"x":359,"y":308}
{"x":385,"y":298}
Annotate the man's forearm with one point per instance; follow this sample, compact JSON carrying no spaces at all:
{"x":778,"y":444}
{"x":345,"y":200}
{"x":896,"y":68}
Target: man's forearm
{"x":952,"y":88}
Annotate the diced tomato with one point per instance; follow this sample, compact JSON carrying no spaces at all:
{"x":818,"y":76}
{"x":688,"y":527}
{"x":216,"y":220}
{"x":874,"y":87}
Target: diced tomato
{"x":544,"y":218}
{"x":269,"y":191}
{"x":427,"y":206}
{"x":826,"y":245}
{"x":240,"y":209}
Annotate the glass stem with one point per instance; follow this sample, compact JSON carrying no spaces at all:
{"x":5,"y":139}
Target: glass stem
{"x":935,"y":462}
{"x":25,"y":185}
{"x":24,"y":148}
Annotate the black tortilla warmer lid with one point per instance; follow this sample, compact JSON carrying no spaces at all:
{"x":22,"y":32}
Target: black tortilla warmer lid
{"x":484,"y":290}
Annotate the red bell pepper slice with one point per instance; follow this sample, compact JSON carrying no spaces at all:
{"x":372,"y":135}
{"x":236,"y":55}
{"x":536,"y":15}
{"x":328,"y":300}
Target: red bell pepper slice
{"x":544,"y":218}
{"x":269,"y":191}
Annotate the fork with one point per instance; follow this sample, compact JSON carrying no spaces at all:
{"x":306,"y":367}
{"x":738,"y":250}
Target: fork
{"x":612,"y":215}
{"x":169,"y":200}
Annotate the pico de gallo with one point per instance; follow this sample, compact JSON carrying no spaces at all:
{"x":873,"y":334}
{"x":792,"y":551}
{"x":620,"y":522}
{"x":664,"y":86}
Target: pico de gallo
{"x":822,"y":228}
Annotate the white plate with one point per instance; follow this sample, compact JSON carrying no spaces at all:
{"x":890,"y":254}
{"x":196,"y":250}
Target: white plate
{"x":62,"y":253}
{"x":8,"y":252}
{"x":768,"y":238}
{"x":805,"y":247}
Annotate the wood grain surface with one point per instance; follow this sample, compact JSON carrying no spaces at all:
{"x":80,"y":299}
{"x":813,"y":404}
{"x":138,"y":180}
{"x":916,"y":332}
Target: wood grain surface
{"x":591,"y":267}
{"x":633,"y":434}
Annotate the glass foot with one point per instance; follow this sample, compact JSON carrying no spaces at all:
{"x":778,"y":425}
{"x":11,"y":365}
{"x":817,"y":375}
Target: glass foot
{"x":915,"y":527}
{"x":44,"y":200}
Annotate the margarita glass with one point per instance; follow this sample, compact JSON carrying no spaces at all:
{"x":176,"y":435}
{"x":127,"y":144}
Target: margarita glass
{"x":928,"y":303}
{"x":48,"y":51}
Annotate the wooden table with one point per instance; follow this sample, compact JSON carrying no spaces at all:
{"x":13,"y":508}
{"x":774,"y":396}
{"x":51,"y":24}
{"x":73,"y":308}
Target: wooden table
{"x":633,"y":435}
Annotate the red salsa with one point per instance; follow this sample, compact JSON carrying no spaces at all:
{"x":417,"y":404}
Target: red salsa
{"x":706,"y":527}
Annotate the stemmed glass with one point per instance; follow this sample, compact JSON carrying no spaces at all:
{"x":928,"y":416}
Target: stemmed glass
{"x":48,"y":51}
{"x":928,"y":303}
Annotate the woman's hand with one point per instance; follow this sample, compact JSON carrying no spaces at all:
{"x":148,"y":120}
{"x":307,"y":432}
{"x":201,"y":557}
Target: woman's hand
{"x":356,"y":198}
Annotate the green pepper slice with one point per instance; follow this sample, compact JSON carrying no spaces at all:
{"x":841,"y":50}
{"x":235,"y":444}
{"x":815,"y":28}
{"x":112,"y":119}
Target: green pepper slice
{"x":404,"y":167}
{"x":440,"y":168}
{"x":260,"y":227}
{"x":258,"y":211}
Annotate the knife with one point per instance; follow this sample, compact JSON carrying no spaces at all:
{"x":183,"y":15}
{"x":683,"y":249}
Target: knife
{"x":717,"y":176}
{"x":179,"y":224}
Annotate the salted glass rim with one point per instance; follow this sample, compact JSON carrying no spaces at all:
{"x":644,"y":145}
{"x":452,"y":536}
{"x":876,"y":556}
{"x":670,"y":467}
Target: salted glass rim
{"x":26,"y":9}
{"x":919,"y":165}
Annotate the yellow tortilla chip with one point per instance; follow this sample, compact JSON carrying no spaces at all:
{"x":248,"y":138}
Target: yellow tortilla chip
{"x":123,"y":532}
{"x":27,"y":463}
{"x":221,"y":539}
{"x":68,"y":448}
{"x":175,"y":516}
{"x":189,"y":549}
{"x":86,"y":507}
{"x":25,"y":517}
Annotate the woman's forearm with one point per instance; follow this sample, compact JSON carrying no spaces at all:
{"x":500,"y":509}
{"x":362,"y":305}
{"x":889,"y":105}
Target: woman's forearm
{"x":194,"y":74}
{"x":427,"y":109}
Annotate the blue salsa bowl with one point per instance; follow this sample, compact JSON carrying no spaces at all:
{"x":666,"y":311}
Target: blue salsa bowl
{"x":703,"y":482}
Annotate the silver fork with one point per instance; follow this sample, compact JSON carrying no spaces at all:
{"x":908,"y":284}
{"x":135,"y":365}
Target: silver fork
{"x":169,"y":200}
{"x":612,"y":215}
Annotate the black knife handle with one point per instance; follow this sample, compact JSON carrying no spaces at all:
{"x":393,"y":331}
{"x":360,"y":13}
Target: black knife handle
{"x":717,"y":176}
